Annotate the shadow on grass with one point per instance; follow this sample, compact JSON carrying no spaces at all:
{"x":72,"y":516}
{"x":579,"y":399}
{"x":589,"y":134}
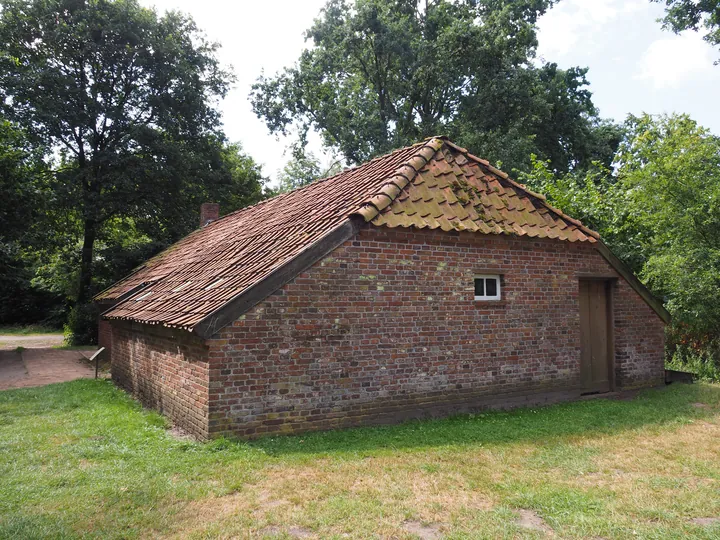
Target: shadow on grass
{"x":675,"y":404}
{"x":655,"y":407}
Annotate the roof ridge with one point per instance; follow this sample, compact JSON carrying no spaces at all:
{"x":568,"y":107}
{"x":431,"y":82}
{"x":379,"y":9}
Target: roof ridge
{"x":305,"y":224}
{"x":364,"y":163}
{"x":318,"y":181}
{"x":504,"y":176}
{"x":150,"y":263}
{"x":399,"y":179}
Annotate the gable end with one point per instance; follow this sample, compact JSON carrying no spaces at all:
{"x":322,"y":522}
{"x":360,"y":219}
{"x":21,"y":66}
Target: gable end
{"x":255,"y":251}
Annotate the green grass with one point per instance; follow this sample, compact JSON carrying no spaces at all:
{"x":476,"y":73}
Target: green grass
{"x":83,"y":459}
{"x":28,"y":330}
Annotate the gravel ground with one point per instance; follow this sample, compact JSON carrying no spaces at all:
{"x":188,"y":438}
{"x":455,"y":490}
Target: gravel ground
{"x":33,"y":341}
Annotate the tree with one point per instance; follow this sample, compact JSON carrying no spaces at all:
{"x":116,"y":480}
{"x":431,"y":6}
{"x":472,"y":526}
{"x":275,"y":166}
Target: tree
{"x":692,"y":15}
{"x":127,"y":100}
{"x":20,"y":167}
{"x":385,"y":73}
{"x":659,"y":210}
{"x":23,"y":205}
{"x":670,"y":168}
{"x":246,"y":184}
{"x":303,"y":169}
{"x":298,"y":172}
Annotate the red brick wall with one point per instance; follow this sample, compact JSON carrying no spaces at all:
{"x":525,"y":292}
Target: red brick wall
{"x":104,"y":329}
{"x":166,"y":370}
{"x":105,"y":335}
{"x":639,"y":340}
{"x":386,"y":328}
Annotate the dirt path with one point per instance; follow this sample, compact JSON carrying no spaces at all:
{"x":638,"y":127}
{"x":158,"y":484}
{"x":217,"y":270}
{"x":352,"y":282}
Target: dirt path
{"x":9,"y":342}
{"x":38,"y":367}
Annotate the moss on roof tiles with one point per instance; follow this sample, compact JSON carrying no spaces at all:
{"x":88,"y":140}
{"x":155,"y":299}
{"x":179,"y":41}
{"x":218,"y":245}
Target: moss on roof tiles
{"x":433,"y":184}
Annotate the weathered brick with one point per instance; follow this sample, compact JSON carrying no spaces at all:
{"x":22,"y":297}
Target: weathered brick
{"x":386,"y":328}
{"x":353,"y":342}
{"x":166,"y":370}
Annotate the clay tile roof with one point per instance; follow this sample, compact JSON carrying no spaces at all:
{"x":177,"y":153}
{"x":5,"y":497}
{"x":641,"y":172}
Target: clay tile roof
{"x":468,"y":194}
{"x":432,"y":184}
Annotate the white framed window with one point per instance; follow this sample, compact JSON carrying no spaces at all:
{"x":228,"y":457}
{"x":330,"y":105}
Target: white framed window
{"x":487,"y":287}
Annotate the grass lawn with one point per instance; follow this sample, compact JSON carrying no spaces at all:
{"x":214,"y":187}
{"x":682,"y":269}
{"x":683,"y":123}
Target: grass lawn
{"x":83,"y":459}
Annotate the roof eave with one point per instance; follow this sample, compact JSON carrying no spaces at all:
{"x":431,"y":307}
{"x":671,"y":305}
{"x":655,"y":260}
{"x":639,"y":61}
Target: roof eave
{"x":390,"y":189}
{"x":252,"y":296}
{"x":633,"y":281}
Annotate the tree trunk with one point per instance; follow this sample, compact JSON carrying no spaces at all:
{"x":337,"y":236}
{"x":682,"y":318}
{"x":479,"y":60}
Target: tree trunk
{"x":86,"y":269}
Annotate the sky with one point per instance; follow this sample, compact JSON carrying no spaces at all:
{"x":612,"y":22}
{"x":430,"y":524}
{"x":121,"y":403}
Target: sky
{"x":635,"y":66}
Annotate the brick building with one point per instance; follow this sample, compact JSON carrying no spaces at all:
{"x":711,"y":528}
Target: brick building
{"x":423,"y":282}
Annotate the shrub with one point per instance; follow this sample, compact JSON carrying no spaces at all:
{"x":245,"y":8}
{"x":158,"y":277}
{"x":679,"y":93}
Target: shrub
{"x":699,"y":354}
{"x":82,"y":325}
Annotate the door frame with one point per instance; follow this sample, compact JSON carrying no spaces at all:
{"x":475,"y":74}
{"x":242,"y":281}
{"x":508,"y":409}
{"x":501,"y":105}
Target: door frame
{"x":610,"y":285}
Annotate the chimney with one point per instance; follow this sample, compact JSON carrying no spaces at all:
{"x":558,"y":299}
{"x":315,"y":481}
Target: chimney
{"x":209,"y":212}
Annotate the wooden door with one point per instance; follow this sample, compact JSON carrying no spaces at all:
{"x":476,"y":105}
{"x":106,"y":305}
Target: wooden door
{"x":596,"y":354}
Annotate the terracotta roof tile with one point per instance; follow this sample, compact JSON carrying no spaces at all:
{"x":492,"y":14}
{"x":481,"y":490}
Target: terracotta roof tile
{"x":471,"y":194}
{"x":433,"y":184}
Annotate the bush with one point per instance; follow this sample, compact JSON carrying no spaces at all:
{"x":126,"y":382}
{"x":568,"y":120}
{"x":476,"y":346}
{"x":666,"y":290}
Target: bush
{"x":696,"y":354}
{"x":82,"y":325}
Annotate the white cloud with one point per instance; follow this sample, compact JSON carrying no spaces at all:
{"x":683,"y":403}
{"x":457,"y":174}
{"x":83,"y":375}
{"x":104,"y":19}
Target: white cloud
{"x":672,"y":61}
{"x":610,"y":36}
{"x":574,"y":22}
{"x":255,"y":36}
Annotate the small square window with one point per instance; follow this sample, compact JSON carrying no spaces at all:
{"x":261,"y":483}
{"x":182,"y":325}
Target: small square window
{"x":487,"y":287}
